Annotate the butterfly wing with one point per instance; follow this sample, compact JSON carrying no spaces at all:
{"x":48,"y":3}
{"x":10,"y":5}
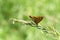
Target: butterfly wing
{"x":36,"y":19}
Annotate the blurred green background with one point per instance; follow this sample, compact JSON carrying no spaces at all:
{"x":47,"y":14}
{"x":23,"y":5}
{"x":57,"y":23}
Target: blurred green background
{"x":22,"y":9}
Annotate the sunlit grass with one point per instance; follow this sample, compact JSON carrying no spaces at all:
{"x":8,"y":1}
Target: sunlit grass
{"x":22,"y":9}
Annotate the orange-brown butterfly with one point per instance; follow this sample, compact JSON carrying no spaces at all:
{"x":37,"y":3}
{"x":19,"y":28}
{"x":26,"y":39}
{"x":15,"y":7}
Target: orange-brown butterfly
{"x":36,"y":19}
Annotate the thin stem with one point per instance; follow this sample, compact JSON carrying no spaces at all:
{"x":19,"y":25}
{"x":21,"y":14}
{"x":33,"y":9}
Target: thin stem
{"x":51,"y":31}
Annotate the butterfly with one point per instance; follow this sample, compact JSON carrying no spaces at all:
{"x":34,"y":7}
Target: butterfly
{"x":36,"y":20}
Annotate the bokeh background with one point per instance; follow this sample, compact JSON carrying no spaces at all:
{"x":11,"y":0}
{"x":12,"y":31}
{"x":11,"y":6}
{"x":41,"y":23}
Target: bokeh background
{"x":22,"y":9}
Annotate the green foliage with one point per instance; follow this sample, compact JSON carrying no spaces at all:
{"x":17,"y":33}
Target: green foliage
{"x":22,"y":9}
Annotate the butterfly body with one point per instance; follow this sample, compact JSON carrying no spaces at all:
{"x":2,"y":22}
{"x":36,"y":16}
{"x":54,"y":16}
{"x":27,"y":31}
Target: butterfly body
{"x":36,"y":19}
